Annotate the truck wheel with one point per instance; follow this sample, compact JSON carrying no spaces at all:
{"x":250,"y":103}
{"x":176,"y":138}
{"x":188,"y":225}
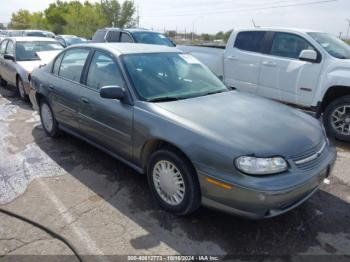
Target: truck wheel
{"x":337,"y":118}
{"x":21,"y":91}
{"x":48,"y":120}
{"x":173,"y":182}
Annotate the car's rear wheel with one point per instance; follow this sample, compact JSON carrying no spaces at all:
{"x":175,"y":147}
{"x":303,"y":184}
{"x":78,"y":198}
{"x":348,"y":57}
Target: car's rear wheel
{"x":337,"y":118}
{"x":173,"y":182}
{"x":48,"y":120}
{"x":21,"y":91}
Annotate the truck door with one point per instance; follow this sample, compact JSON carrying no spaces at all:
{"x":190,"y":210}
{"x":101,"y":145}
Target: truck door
{"x":283,"y":75}
{"x":242,"y":61}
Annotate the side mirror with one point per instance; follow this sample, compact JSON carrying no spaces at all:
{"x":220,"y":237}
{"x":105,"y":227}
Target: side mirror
{"x":112,"y":92}
{"x":9,"y":57}
{"x":308,"y":55}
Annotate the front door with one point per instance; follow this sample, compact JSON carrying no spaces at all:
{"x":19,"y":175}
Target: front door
{"x":283,"y":76}
{"x":106,"y":121}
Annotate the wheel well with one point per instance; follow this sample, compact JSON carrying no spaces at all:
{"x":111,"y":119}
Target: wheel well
{"x":38,"y":98}
{"x":17,"y":77}
{"x":155,"y":144}
{"x":332,"y":94}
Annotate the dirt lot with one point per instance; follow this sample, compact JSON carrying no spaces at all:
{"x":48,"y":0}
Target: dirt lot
{"x":104,"y":208}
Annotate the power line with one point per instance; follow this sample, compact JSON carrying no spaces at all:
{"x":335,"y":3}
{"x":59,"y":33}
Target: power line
{"x":244,"y":10}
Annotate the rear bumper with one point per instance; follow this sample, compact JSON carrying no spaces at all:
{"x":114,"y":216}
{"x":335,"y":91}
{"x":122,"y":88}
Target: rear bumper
{"x":259,"y":203}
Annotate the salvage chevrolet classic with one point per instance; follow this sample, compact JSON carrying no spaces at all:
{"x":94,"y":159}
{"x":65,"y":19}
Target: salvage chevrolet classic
{"x":166,"y":115}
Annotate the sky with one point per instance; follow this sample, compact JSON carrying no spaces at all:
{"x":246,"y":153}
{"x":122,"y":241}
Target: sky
{"x":211,"y":16}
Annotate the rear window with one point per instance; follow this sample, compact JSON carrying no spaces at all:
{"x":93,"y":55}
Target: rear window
{"x":113,"y":36}
{"x":250,"y":41}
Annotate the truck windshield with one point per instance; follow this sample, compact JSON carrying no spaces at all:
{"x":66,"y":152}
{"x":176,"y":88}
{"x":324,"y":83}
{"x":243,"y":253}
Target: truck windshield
{"x":152,"y":38}
{"x":333,"y":45}
{"x":26,"y":51}
{"x":170,"y":76}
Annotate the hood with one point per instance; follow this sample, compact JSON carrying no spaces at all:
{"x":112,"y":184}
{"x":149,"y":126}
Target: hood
{"x":247,"y":123}
{"x":45,"y":58}
{"x":29,"y":66}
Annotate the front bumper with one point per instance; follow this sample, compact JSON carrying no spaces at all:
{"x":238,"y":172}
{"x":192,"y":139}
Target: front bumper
{"x":260,"y":202}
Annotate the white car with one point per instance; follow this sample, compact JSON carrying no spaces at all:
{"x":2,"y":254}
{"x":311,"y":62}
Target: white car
{"x":301,"y":67}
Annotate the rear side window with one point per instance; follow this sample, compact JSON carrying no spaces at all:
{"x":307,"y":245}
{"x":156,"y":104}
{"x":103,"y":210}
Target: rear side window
{"x":73,"y":63}
{"x":99,"y":36}
{"x":3,"y":47}
{"x":113,"y":36}
{"x":56,"y":65}
{"x":103,"y":71}
{"x":250,"y":41}
{"x":289,"y":45}
{"x":125,"y":38}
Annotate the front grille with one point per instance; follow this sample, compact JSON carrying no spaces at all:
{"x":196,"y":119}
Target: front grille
{"x":311,"y":158}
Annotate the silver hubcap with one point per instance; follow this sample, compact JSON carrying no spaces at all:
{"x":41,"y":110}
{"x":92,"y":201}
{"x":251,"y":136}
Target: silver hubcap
{"x":46,"y":117}
{"x":21,"y":89}
{"x":169,"y":182}
{"x":341,"y":120}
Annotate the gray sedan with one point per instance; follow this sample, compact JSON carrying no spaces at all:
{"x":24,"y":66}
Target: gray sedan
{"x":19,"y":56}
{"x":166,"y":115}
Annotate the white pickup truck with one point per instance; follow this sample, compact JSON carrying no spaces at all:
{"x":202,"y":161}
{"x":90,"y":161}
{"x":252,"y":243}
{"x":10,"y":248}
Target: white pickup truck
{"x":305,"y":68}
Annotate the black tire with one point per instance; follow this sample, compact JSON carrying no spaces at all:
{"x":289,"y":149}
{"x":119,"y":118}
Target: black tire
{"x":2,"y":82}
{"x":21,"y":90}
{"x":327,"y":118}
{"x":192,"y":196}
{"x":54,"y":131}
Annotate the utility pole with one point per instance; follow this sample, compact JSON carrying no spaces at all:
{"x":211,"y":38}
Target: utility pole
{"x":340,"y":33}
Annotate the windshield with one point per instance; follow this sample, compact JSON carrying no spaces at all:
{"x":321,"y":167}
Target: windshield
{"x":26,"y":51}
{"x":152,"y":38}
{"x":170,"y":76}
{"x":74,"y":40}
{"x":333,"y":45}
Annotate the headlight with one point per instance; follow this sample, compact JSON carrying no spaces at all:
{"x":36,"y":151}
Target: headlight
{"x":261,"y":166}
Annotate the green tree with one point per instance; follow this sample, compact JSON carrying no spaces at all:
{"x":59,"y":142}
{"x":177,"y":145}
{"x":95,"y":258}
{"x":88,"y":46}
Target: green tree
{"x":55,"y":16}
{"x":118,"y":15}
{"x":20,"y":20}
{"x":220,"y":35}
{"x":2,"y":27}
{"x":227,"y":35}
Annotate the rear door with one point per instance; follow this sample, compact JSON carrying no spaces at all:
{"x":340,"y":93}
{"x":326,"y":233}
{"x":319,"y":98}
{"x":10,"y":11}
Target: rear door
{"x":283,"y":75}
{"x":106,"y":121}
{"x":242,"y":61}
{"x":65,"y":85}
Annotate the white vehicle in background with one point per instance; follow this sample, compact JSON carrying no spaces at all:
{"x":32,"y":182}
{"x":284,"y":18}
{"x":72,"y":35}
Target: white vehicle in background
{"x":305,"y":68}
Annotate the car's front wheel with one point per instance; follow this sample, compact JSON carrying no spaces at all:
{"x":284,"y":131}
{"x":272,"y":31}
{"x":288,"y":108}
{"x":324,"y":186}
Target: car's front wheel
{"x":337,"y":118}
{"x":173,"y":182}
{"x":48,"y":120}
{"x":21,"y":91}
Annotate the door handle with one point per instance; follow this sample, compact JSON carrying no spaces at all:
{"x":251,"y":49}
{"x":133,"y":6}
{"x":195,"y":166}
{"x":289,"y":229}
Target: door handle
{"x":269,"y":63}
{"x":231,"y":57}
{"x":84,"y":100}
{"x":51,"y":87}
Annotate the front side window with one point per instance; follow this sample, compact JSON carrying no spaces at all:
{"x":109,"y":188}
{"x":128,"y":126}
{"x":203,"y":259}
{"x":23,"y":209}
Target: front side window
{"x":3,"y":46}
{"x":333,"y":45}
{"x":250,"y":41}
{"x":10,"y":48}
{"x":125,"y":38}
{"x":27,"y":51}
{"x":289,"y":45}
{"x":152,"y":38}
{"x":103,"y":71}
{"x":72,"y":64}
{"x":158,"y":76}
{"x":113,"y":36}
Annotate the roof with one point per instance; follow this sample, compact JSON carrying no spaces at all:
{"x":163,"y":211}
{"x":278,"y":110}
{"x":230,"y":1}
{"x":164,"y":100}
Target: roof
{"x":68,"y":36}
{"x":129,"y":29}
{"x":32,"y":39}
{"x":128,"y":48}
{"x":282,"y":29}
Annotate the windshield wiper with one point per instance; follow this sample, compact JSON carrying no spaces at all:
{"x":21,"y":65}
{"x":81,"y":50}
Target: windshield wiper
{"x":214,"y":92}
{"x":163,"y":99}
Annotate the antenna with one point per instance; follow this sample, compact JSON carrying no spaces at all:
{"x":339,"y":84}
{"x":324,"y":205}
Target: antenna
{"x":255,"y":26}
